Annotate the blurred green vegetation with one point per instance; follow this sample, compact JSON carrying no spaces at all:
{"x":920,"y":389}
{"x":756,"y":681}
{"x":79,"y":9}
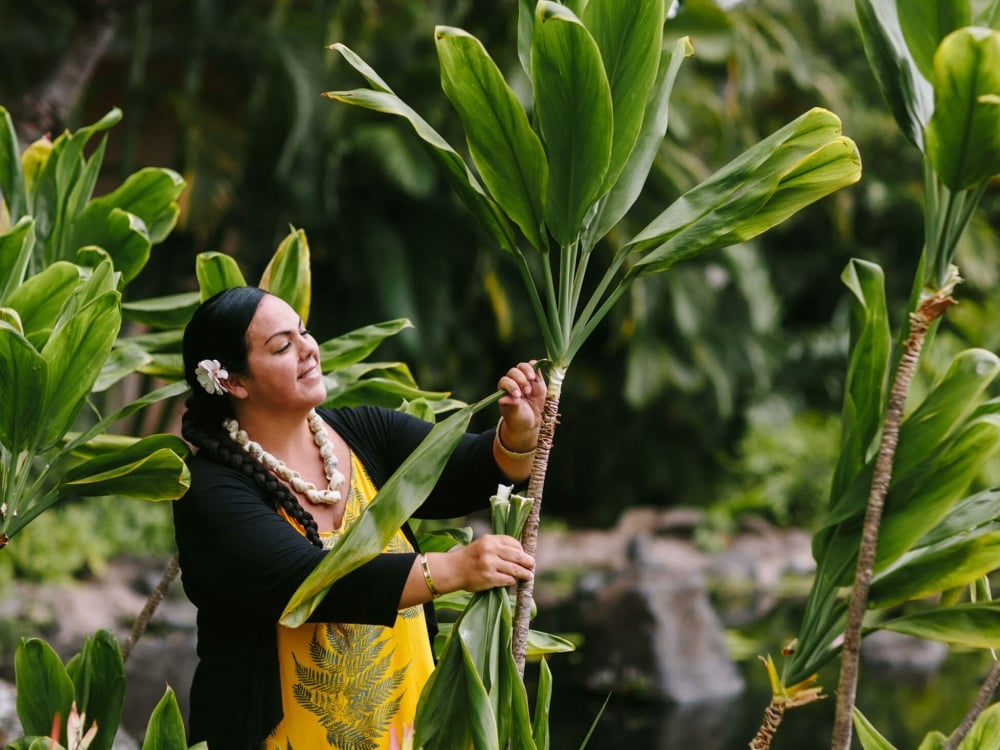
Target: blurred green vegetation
{"x":715,"y":386}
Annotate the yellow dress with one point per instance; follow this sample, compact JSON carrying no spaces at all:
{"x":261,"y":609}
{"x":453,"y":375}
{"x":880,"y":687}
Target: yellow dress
{"x":351,"y":687}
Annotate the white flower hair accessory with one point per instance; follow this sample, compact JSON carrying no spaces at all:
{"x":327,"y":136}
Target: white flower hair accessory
{"x":210,"y":376}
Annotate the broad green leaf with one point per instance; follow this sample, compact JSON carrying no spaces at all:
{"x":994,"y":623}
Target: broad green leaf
{"x":15,"y":252}
{"x":288,"y":275}
{"x":573,"y":110}
{"x":934,"y":741}
{"x":913,"y":509}
{"x":442,"y":540}
{"x":971,"y":625}
{"x":124,"y":238}
{"x":152,"y":468}
{"x":98,"y":675}
{"x":506,"y":151}
{"x":124,"y":359}
{"x":464,"y":700}
{"x":543,"y":701}
{"x":401,"y":495}
{"x":43,"y":687}
{"x":377,"y":392}
{"x":172,"y":311}
{"x":150,"y":194}
{"x":650,"y":137}
{"x":985,"y":731}
{"x":963,"y":136}
{"x":802,"y":162}
{"x":22,"y":368}
{"x":945,"y":409}
{"x":56,"y":184}
{"x":165,"y":730}
{"x":453,"y":167}
{"x":868,"y":736}
{"x":907,"y":92}
{"x":217,"y":272}
{"x":629,"y":37}
{"x":170,"y":390}
{"x":967,"y":514}
{"x":931,"y":571}
{"x":356,"y":345}
{"x":75,"y":353}
{"x":924,"y":24}
{"x":12,"y":195}
{"x":867,"y":370}
{"x":40,"y":299}
{"x":542,"y":644}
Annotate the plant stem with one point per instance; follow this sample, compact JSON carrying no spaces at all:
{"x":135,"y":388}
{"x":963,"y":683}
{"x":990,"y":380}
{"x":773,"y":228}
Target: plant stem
{"x":529,"y":536}
{"x":773,"y":715}
{"x":930,"y":309}
{"x":983,"y":699}
{"x":139,"y":627}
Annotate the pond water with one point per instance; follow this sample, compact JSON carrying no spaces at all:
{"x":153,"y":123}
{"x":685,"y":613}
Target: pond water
{"x":903,"y":707}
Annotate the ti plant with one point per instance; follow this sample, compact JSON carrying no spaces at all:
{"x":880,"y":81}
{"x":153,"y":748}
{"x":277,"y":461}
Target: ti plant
{"x":64,"y":258}
{"x":901,"y":525}
{"x":82,"y":700}
{"x":550,"y":179}
{"x":475,"y":697}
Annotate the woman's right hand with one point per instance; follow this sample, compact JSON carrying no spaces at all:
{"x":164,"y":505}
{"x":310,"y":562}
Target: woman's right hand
{"x":487,"y":562}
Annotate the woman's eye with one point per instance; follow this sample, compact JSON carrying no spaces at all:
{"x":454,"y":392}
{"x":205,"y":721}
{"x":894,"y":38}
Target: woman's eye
{"x":284,"y":348}
{"x":305,"y":332}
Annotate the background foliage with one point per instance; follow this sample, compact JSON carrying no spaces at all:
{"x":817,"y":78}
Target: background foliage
{"x":698,"y":376}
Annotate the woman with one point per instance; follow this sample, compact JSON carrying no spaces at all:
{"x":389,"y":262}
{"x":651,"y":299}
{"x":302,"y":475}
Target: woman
{"x":274,"y":484}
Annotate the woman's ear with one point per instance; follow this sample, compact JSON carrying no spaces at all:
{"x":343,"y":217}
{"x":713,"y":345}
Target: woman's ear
{"x":235,"y":385}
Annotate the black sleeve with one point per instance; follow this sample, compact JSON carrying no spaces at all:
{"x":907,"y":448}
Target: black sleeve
{"x":237,"y":552}
{"x":384,"y":439}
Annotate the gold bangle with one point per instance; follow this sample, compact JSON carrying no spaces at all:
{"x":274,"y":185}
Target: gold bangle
{"x":427,"y":577}
{"x":516,"y":455}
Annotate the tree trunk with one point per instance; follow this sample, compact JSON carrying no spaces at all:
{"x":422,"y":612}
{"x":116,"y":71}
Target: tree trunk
{"x":773,"y":715}
{"x":44,"y":109}
{"x":529,"y":537}
{"x":930,"y":309}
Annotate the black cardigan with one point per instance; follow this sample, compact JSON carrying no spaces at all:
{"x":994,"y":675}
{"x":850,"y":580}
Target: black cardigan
{"x":241,"y":562}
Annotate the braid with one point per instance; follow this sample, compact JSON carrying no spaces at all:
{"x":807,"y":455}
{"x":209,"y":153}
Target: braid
{"x":211,"y":437}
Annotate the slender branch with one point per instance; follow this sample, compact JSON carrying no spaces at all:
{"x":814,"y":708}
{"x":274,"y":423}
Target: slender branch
{"x":529,"y":535}
{"x":141,"y":623}
{"x":929,"y":310}
{"x":983,"y":699}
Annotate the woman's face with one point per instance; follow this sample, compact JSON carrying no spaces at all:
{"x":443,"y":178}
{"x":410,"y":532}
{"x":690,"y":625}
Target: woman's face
{"x":284,"y":370}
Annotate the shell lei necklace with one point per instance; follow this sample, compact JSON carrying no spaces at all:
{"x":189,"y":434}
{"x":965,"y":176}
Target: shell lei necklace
{"x":314,"y":495}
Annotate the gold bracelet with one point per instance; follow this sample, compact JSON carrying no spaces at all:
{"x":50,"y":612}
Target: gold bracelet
{"x":516,"y":455}
{"x":427,"y":577}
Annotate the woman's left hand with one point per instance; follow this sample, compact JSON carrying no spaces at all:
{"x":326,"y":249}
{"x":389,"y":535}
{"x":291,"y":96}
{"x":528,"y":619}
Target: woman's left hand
{"x":521,"y":407}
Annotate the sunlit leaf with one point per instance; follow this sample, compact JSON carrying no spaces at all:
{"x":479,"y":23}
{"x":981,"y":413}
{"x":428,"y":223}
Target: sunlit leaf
{"x":288,"y":274}
{"x":629,"y":36}
{"x":15,"y":252}
{"x":356,"y":345}
{"x":171,"y":311}
{"x":868,"y":736}
{"x":924,"y":24}
{"x":41,"y":297}
{"x":165,"y":729}
{"x":906,"y":90}
{"x":217,"y":272}
{"x":963,"y":136}
{"x":505,"y":149}
{"x":568,"y":78}
{"x":972,"y":625}
{"x":98,"y":675}
{"x":22,"y":368}
{"x":11,"y":176}
{"x":152,"y":468}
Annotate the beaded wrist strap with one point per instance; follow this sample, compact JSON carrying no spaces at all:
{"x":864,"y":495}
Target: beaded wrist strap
{"x":427,"y":577}
{"x":516,"y":455}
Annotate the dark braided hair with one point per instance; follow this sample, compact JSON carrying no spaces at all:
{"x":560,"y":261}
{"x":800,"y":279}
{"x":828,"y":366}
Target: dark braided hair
{"x":218,"y":330}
